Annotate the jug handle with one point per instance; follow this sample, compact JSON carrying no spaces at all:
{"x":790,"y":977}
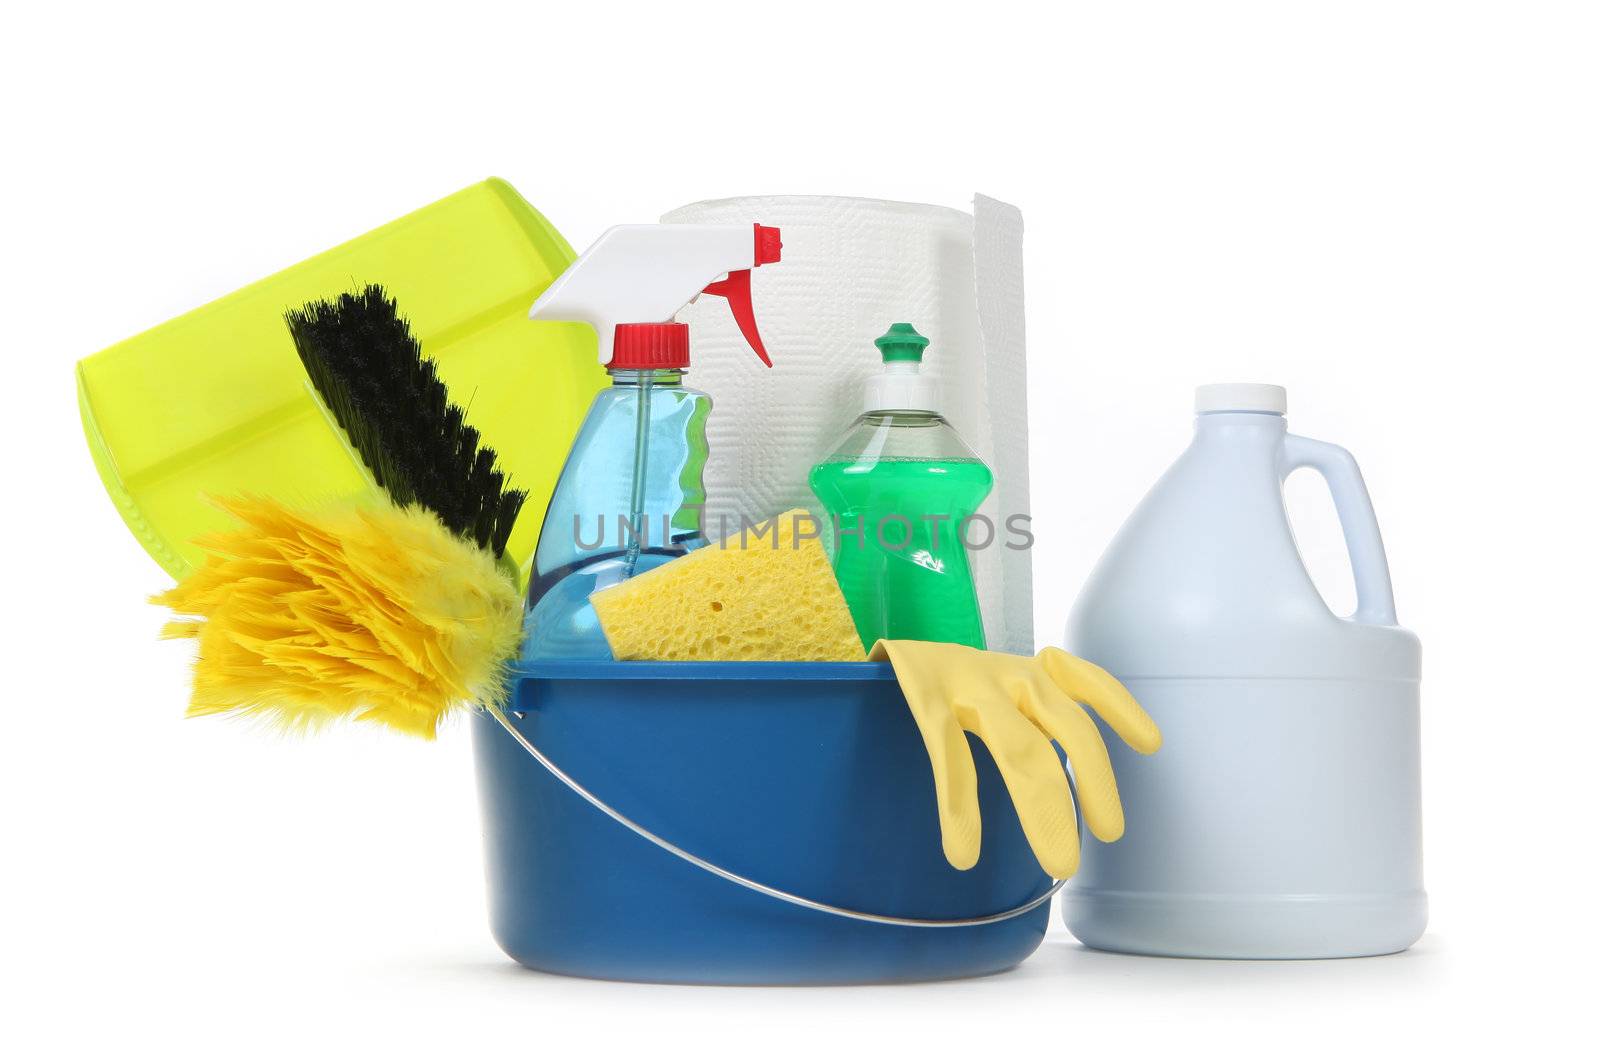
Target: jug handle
{"x":1374,"y":591}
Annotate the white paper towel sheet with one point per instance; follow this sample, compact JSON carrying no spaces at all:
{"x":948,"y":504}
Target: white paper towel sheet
{"x":850,"y":268}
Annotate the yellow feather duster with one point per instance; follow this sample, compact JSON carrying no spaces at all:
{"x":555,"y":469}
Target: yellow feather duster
{"x":372,"y":612}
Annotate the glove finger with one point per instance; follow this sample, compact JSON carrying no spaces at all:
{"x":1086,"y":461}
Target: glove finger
{"x":1094,"y":687}
{"x":1070,"y":726}
{"x":1036,"y":781}
{"x":955,"y":778}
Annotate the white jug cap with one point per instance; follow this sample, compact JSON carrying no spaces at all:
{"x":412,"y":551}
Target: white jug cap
{"x":1265,"y":399}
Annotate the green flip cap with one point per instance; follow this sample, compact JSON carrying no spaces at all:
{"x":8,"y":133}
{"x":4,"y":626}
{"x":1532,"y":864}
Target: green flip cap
{"x":902,"y":344}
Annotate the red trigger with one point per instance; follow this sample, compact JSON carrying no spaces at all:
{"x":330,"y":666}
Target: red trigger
{"x":736,"y":289}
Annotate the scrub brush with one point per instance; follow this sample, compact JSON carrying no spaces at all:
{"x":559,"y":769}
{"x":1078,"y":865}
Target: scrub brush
{"x":370,"y":372}
{"x":396,"y":612}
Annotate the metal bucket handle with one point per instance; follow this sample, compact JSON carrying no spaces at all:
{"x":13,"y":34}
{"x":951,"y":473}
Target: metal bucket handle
{"x":733,"y":877}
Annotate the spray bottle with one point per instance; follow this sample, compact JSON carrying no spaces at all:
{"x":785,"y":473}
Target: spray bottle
{"x":631,"y":494}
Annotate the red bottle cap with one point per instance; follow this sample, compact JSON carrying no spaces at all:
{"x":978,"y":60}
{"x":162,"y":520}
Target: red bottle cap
{"x":650,"y":346}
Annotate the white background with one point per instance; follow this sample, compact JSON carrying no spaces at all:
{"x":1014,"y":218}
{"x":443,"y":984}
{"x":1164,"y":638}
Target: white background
{"x":1391,"y":208}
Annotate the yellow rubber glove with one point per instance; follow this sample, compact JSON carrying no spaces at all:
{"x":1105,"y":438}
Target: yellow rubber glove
{"x":1017,"y":705}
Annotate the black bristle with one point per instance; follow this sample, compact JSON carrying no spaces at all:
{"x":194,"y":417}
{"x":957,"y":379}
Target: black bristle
{"x":370,"y":371}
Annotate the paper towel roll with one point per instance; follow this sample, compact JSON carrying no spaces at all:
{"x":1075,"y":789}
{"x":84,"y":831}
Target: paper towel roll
{"x":850,"y":268}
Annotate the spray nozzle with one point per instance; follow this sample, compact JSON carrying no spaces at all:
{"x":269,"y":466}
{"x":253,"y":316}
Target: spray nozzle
{"x":647,"y":273}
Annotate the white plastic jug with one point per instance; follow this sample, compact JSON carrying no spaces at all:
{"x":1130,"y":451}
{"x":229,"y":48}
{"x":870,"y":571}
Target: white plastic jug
{"x":1281,"y":818}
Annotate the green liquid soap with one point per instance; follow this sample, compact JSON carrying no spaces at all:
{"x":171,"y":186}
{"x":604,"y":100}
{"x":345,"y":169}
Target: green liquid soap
{"x":898,"y":552}
{"x":897,"y":489}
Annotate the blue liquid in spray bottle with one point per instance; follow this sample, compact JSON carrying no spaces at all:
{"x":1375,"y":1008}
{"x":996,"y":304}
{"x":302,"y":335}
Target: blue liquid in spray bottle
{"x":631,"y":495}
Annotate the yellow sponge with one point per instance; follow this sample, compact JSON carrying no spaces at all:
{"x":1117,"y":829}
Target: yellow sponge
{"x":765,"y":594}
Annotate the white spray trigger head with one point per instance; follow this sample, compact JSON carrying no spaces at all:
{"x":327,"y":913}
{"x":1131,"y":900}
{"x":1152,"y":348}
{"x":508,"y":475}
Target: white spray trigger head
{"x":647,"y":273}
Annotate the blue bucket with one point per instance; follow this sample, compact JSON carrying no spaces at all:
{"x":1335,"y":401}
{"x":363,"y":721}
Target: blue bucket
{"x":770,"y":823}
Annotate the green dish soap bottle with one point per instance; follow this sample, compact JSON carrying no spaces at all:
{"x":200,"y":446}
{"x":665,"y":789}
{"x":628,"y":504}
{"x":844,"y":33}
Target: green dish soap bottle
{"x":898,"y":490}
